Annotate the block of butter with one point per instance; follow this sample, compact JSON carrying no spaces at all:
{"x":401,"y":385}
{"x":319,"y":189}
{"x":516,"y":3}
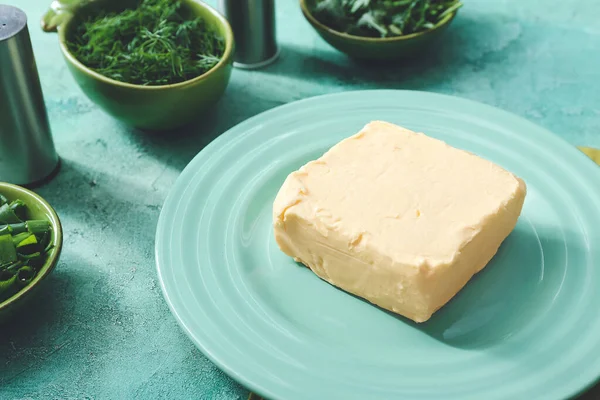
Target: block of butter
{"x":398,"y":218}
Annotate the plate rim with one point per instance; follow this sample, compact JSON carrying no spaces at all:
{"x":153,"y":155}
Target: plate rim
{"x":243,"y":126}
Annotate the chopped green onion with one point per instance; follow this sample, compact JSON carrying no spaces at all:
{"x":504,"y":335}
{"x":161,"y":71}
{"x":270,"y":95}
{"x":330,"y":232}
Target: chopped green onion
{"x":31,"y":239}
{"x":14,"y":228}
{"x":16,"y":204}
{"x":24,"y":246}
{"x":38,"y":226}
{"x":13,"y":266}
{"x":19,"y":237}
{"x":48,"y":247}
{"x":8,"y":252}
{"x":29,"y":246}
{"x":7,"y":215}
{"x":35,"y":226}
{"x":31,"y":256}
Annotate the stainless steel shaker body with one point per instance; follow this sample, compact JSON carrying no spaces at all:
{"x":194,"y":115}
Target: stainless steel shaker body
{"x":27,"y":153}
{"x":253,"y":25}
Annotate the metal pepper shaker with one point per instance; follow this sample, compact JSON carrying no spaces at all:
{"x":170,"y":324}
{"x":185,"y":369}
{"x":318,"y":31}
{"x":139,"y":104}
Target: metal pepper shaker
{"x":27,"y":153}
{"x":253,"y":24}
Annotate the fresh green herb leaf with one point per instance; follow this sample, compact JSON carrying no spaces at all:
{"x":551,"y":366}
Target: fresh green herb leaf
{"x":152,"y":44}
{"x":383,"y":18}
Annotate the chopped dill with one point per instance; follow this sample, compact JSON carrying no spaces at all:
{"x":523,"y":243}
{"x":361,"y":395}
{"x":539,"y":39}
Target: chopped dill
{"x":152,"y":44}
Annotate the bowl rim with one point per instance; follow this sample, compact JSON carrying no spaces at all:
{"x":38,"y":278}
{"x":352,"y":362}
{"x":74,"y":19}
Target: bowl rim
{"x":317,"y":24}
{"x":225,"y":59}
{"x":57,"y":241}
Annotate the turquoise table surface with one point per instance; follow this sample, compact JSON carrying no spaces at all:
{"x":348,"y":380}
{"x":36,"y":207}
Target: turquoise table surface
{"x":100,"y":328}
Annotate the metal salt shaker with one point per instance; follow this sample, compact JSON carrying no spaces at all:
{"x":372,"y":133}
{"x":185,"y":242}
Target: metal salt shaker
{"x":27,"y":153}
{"x":253,"y":24}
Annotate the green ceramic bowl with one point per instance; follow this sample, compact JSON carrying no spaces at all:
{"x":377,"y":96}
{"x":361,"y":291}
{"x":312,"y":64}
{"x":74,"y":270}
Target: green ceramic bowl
{"x":145,"y":107}
{"x":38,"y":208}
{"x":368,"y":48}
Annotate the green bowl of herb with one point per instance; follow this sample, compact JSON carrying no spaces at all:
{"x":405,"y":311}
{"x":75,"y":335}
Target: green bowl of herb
{"x":153,"y":64}
{"x":380,"y":29}
{"x":30,"y":245}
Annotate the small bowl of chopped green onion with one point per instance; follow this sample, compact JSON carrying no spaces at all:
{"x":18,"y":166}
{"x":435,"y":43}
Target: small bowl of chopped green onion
{"x":30,"y":245}
{"x":380,"y":29}
{"x":152,"y":64}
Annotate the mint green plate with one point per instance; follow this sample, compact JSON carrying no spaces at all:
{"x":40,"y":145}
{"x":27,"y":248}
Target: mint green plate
{"x":527,"y":327}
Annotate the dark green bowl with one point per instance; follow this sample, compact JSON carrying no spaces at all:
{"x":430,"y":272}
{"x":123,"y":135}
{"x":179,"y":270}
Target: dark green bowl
{"x":368,"y":48}
{"x":146,"y":107}
{"x":38,"y":208}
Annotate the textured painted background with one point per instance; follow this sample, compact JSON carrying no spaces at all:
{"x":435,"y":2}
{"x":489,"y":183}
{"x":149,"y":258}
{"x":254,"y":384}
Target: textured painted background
{"x":101,"y":328}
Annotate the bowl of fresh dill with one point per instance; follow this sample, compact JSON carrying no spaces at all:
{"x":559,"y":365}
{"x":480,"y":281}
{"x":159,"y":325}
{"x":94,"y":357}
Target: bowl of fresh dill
{"x":152,"y":64}
{"x":30,"y":245}
{"x":380,"y":29}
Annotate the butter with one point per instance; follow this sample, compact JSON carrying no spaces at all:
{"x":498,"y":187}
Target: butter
{"x":396,"y":217}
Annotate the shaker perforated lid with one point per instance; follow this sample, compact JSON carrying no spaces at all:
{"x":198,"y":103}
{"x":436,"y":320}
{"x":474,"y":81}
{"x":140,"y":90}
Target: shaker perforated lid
{"x":12,"y":21}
